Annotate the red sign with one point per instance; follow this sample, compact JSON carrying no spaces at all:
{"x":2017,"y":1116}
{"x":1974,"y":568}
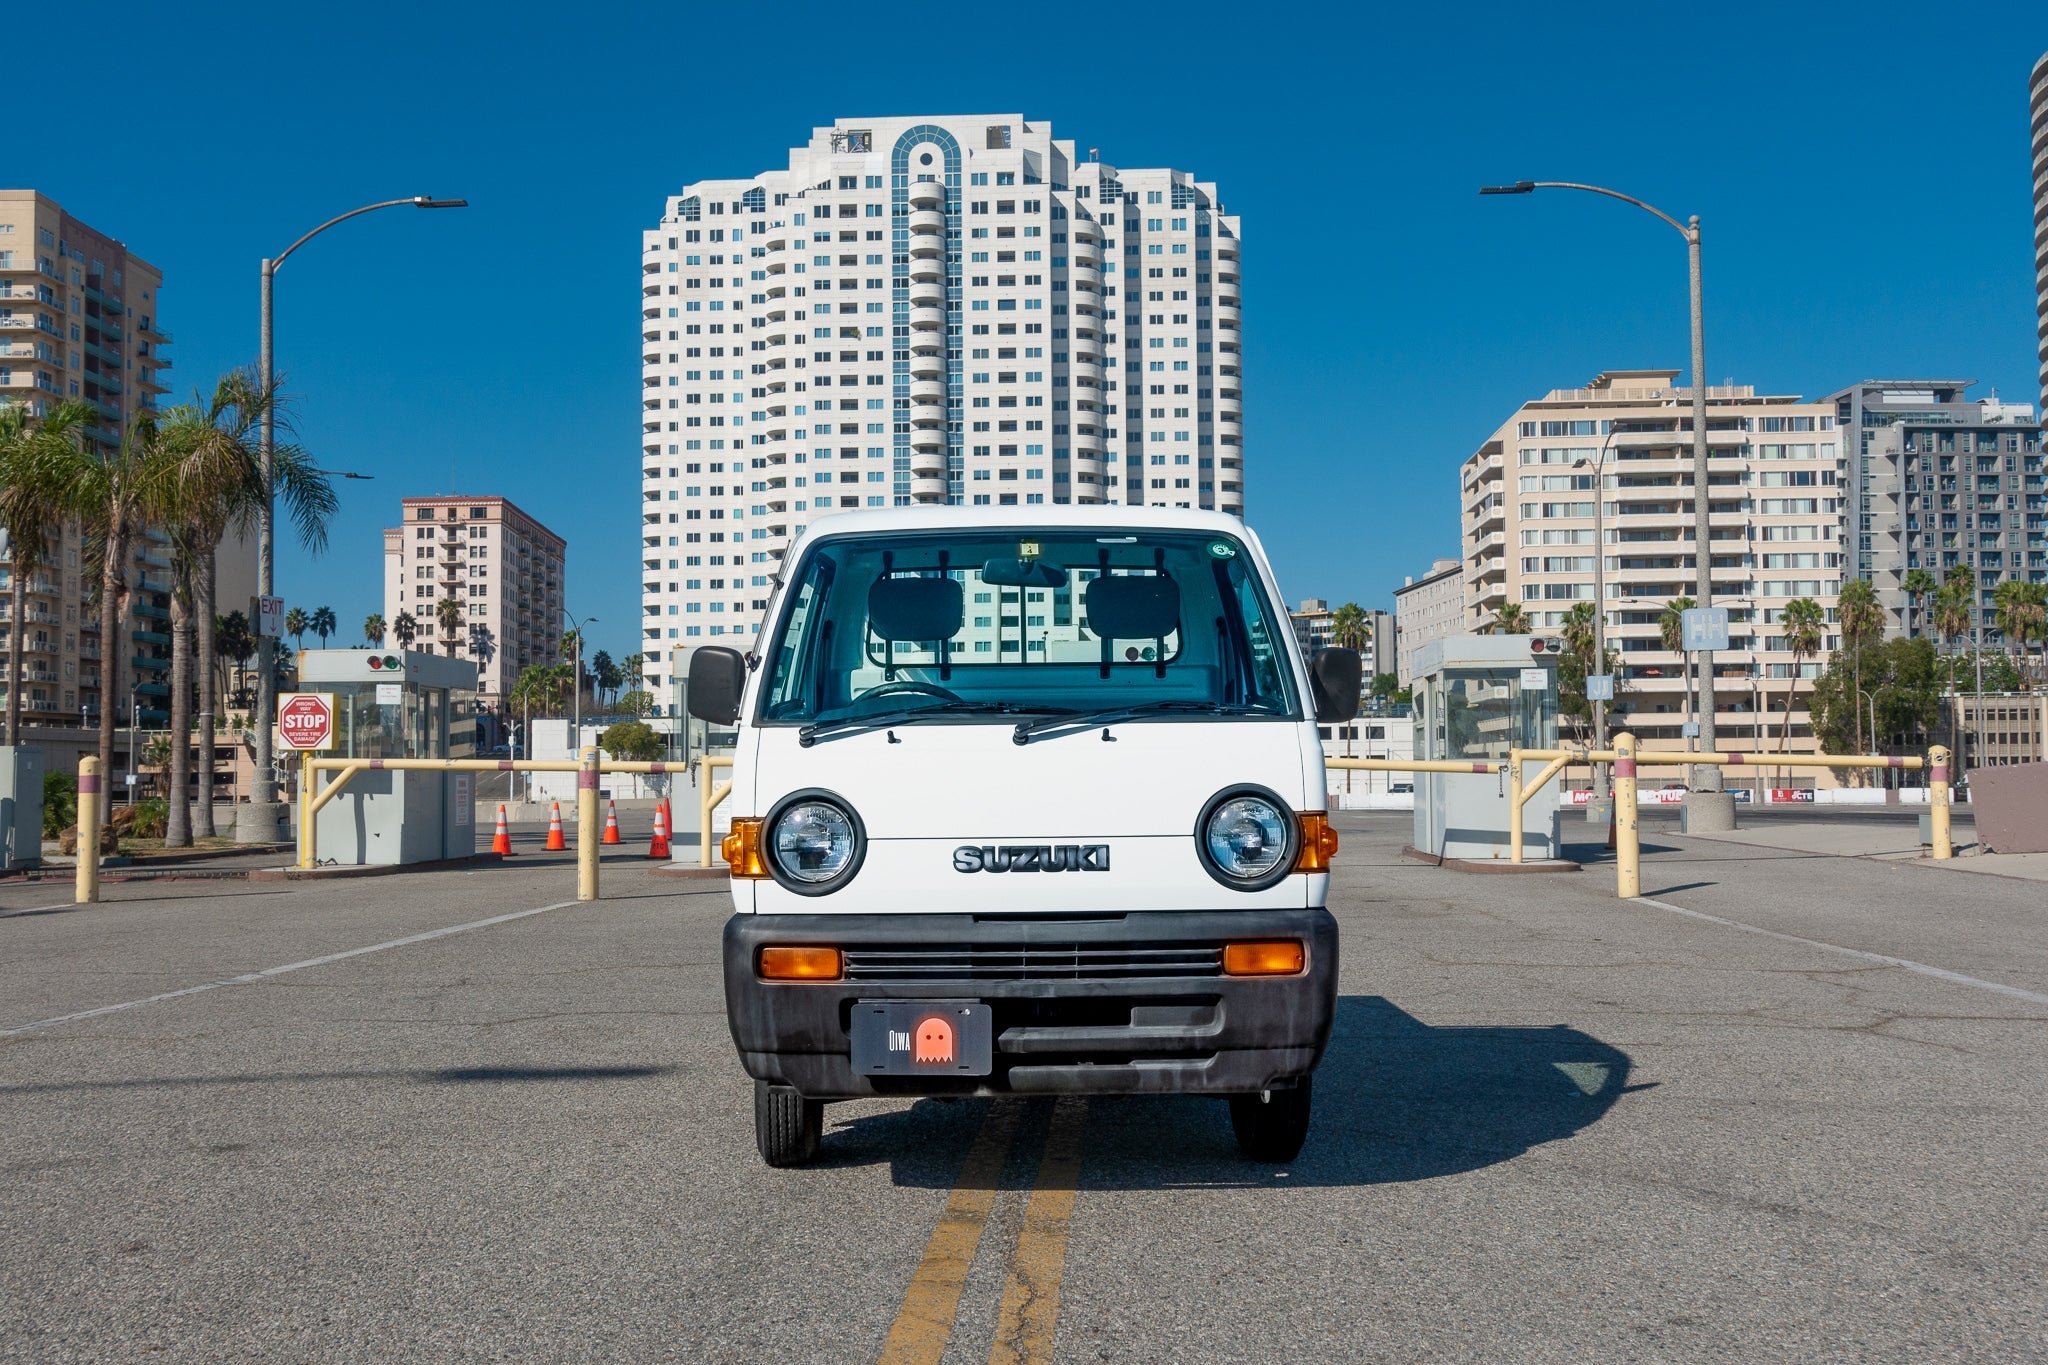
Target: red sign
{"x":305,"y":720}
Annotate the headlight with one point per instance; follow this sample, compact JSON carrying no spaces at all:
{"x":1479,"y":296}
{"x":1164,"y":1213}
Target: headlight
{"x":814,"y":842}
{"x":1247,"y":839}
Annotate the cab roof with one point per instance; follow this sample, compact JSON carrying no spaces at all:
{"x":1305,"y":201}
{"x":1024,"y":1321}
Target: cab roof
{"x":897,"y":520}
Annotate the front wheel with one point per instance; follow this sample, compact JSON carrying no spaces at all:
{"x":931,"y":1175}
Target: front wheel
{"x":787,"y":1127}
{"x":1271,"y":1127}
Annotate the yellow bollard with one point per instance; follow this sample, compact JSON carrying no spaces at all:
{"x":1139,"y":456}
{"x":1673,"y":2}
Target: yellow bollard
{"x":88,"y":831}
{"x":1514,"y":805}
{"x":1937,"y":802}
{"x":586,"y":825}
{"x":309,"y":777}
{"x":1628,"y":848}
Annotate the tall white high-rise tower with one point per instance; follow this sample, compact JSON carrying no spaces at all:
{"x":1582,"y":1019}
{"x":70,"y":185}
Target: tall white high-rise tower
{"x":923,"y":310}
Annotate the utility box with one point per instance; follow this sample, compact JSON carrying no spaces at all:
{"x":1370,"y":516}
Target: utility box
{"x":396,"y":704}
{"x":1477,"y":697}
{"x":21,"y":806}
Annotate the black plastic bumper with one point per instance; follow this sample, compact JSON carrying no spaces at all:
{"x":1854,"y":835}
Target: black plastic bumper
{"x":1107,"y":1005}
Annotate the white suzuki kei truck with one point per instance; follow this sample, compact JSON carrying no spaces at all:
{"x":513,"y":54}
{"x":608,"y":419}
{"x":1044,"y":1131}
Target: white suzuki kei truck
{"x":1028,"y":802}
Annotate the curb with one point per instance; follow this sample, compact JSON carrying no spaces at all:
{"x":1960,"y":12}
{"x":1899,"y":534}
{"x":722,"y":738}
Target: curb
{"x":314,"y":874}
{"x":691,"y":874}
{"x":1492,"y":868}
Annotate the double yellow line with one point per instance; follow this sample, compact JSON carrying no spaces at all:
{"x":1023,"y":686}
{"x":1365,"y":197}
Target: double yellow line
{"x":1031,"y":1297}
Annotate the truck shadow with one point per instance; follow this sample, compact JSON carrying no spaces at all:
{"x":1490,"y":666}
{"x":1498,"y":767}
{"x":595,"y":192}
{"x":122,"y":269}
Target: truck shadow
{"x":1396,"y":1100}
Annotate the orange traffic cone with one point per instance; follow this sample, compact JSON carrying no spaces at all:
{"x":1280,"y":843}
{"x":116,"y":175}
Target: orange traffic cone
{"x":556,"y":842}
{"x":501,"y":842}
{"x":611,"y":824}
{"x":659,"y":849}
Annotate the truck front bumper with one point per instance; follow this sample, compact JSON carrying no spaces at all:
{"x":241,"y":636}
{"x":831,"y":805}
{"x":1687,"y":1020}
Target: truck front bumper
{"x":1115,"y":1004}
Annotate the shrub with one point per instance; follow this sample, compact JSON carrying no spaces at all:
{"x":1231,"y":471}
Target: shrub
{"x":152,"y":817}
{"x":60,"y":803}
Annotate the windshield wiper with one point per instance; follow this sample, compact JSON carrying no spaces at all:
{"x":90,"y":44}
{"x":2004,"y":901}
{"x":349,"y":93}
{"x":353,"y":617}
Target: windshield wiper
{"x":907,"y":715}
{"x":1110,"y":715}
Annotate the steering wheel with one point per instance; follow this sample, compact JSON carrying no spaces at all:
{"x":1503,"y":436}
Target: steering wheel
{"x":910,"y":685}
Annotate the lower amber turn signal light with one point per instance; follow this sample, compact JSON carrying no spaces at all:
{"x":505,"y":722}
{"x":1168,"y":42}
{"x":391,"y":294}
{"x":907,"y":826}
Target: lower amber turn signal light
{"x":800,"y":964}
{"x":1284,"y":958}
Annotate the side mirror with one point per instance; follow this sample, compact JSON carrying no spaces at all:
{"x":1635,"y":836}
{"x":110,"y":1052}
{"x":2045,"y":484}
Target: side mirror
{"x":1336,"y":676}
{"x":718,"y":677}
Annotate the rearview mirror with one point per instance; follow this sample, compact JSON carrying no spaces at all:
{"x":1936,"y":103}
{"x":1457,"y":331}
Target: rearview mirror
{"x":717,"y":678}
{"x":1335,"y":676}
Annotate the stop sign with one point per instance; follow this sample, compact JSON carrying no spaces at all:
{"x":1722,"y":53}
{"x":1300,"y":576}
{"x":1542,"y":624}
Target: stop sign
{"x":305,"y":720}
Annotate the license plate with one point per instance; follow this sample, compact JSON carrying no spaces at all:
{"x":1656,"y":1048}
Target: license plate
{"x":922,"y":1038}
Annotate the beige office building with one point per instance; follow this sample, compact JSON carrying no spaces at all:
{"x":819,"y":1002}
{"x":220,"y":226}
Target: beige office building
{"x":502,"y":570}
{"x":78,"y":321}
{"x":1777,"y":527}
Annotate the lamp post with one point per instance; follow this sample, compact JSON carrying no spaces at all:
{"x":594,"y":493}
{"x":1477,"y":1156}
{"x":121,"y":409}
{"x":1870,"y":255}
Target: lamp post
{"x":1598,"y":466}
{"x":1706,"y":777}
{"x":260,"y":819}
{"x":576,"y":677}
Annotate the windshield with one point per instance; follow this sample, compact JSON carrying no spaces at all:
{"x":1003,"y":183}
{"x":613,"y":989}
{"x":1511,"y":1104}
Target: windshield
{"x":1019,"y":621}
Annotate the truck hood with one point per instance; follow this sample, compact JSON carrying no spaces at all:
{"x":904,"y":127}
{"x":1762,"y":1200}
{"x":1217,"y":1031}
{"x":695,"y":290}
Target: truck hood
{"x":925,"y":791}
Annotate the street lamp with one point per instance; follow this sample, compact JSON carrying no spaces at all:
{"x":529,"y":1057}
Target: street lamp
{"x":576,"y":678}
{"x":262,"y":816}
{"x":1706,"y":777}
{"x":1598,"y":466}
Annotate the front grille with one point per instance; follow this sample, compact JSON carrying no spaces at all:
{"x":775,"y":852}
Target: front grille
{"x":1032,"y":961}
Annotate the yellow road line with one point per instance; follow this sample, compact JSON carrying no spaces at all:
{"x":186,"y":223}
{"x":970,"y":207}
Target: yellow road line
{"x":1031,"y":1299}
{"x":925,"y":1322}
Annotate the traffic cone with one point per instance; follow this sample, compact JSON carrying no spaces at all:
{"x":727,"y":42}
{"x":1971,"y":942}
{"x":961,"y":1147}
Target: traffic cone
{"x":501,"y":842}
{"x":556,"y":842}
{"x":611,"y":824}
{"x":659,"y":849}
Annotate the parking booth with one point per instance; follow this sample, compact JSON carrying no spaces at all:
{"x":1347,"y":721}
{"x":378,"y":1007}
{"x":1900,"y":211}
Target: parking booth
{"x":1476,"y":697}
{"x":396,"y":704}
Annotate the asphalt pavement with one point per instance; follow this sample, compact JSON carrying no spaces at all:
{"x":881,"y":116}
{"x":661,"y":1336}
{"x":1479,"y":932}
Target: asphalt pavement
{"x":1786,"y":1107}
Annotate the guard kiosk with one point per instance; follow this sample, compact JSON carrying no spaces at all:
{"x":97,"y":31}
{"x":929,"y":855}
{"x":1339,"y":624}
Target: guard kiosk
{"x":396,"y":704}
{"x":691,"y":740}
{"x":1475,"y":698}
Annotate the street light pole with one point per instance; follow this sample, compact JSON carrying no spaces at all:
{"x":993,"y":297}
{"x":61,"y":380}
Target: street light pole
{"x":576,"y":677}
{"x":1706,"y":778}
{"x":1600,"y":601}
{"x":261,"y":818}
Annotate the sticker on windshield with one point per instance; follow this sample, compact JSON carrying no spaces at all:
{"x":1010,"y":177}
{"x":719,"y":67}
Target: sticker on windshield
{"x":1027,"y":549}
{"x":1222,"y":549}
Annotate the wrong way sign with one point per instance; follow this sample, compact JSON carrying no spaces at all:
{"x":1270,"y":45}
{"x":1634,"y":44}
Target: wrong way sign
{"x":305,"y":720}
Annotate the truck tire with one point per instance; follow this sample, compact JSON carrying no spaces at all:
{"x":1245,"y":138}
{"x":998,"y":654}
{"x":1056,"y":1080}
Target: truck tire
{"x":1272,"y":1127}
{"x":787,"y":1127}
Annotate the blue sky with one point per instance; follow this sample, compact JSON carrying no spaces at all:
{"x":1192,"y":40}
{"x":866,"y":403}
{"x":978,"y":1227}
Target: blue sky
{"x":1861,"y":170}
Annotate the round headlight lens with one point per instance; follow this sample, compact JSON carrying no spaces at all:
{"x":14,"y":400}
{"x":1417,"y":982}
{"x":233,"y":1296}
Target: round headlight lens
{"x":812,"y":842}
{"x":1246,"y":837}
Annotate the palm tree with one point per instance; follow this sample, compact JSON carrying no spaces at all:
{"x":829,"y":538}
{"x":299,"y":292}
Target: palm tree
{"x":373,"y":629}
{"x":541,"y":688}
{"x":448,"y":612}
{"x":2022,"y":612}
{"x":1953,"y":612}
{"x":35,"y":457}
{"x":1511,"y":620}
{"x":1671,"y":623}
{"x":1920,"y":586}
{"x":109,"y":495}
{"x":1348,"y":629}
{"x":1862,"y":621}
{"x":322,"y":624}
{"x":405,"y":629}
{"x":630,"y":667}
{"x":296,"y":624}
{"x":210,"y":474}
{"x":233,"y":643}
{"x":605,"y":672}
{"x":1805,"y":625}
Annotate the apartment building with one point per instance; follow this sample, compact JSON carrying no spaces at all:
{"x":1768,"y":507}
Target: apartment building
{"x":1776,"y":527}
{"x":502,"y":573}
{"x":1998,"y":729}
{"x":1934,"y":480}
{"x":1428,"y":608}
{"x":931,"y":310}
{"x":2037,"y":102}
{"x":1314,"y":628}
{"x":78,"y":320}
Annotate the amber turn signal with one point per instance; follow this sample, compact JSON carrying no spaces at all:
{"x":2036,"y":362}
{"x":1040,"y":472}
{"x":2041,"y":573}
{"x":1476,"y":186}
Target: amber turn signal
{"x":741,"y":849}
{"x":800,"y":964}
{"x":1318,"y":842}
{"x":1282,"y":958}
